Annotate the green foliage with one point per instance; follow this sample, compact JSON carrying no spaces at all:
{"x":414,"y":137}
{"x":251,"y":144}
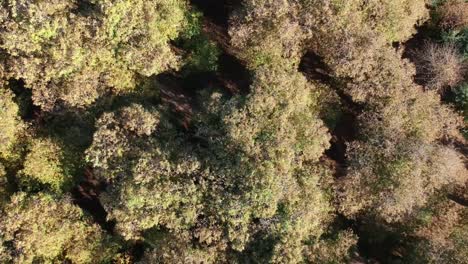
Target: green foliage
{"x":3,"y":188}
{"x":263,"y":151}
{"x":461,"y":101}
{"x":436,"y":3}
{"x":248,"y":177}
{"x":193,"y":26}
{"x":202,"y":53}
{"x":333,"y":250}
{"x":461,"y":97}
{"x":43,"y":229}
{"x":442,"y":239}
{"x":47,"y":165}
{"x":459,"y":38}
{"x":12,"y":125}
{"x":203,"y":56}
{"x":153,"y":181}
{"x":75,"y":57}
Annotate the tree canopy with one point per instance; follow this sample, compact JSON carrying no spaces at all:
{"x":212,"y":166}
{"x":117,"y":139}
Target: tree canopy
{"x":42,"y":228}
{"x":273,"y":131}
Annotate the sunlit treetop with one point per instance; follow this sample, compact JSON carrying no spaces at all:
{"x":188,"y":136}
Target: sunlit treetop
{"x":47,"y":166}
{"x":73,"y":51}
{"x":42,"y":228}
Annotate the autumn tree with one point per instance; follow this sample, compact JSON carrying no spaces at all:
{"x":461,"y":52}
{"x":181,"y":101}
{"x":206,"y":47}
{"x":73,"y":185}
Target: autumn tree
{"x":74,"y":51}
{"x":438,"y":235}
{"x":264,"y":150}
{"x":267,"y":32}
{"x":42,"y":228}
{"x":265,"y":147}
{"x":152,"y":179}
{"x":440,"y":66}
{"x":249,"y":177}
{"x":47,"y":165}
{"x":357,"y":34}
{"x":397,"y":166}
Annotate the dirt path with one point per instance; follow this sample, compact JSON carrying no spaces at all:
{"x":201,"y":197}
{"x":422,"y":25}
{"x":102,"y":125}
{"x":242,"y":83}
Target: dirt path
{"x":86,"y":196}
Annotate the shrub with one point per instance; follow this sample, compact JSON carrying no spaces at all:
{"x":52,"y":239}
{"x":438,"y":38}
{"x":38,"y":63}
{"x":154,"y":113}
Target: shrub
{"x":454,"y":14}
{"x":440,"y":66}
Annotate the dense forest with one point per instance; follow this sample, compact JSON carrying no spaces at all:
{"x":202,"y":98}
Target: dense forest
{"x":234,"y":131}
